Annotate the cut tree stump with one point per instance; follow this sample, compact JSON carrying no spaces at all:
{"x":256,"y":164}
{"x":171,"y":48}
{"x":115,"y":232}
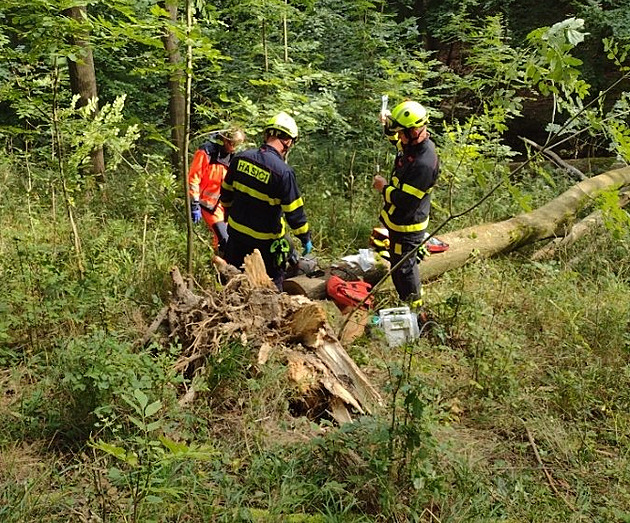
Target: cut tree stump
{"x":312,"y":287}
{"x":292,"y":328}
{"x":355,"y":326}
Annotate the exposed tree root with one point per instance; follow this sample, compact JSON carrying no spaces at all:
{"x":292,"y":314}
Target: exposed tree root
{"x":250,"y":310}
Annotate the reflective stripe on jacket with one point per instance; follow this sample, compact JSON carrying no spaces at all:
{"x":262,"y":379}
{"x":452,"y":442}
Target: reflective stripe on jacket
{"x":408,"y":196}
{"x":258,"y":190}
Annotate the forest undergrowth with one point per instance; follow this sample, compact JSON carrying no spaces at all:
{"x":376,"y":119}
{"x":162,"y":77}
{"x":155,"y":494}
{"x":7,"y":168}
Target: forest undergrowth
{"x":513,"y":407}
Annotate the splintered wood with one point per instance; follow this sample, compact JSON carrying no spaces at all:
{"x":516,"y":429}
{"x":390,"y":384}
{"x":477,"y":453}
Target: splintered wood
{"x":293,"y":329}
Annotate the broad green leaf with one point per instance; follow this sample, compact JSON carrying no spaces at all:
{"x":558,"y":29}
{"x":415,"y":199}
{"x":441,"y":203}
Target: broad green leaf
{"x":138,"y":423}
{"x":154,"y":426}
{"x":117,"y":452}
{"x":142,"y":398}
{"x":174,"y":446}
{"x":153,"y":408}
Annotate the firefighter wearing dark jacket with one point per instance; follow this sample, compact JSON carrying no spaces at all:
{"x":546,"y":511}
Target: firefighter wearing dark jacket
{"x":205,"y":176}
{"x":407,"y":198}
{"x":260,"y":196}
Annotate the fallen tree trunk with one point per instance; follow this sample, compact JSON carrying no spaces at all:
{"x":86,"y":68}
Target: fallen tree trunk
{"x":550,"y":220}
{"x":576,"y":232}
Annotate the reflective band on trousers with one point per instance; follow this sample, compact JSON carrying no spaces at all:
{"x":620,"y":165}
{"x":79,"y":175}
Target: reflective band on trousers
{"x":416,"y":304}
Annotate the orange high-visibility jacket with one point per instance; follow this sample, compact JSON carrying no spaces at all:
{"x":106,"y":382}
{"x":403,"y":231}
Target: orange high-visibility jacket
{"x":205,"y":176}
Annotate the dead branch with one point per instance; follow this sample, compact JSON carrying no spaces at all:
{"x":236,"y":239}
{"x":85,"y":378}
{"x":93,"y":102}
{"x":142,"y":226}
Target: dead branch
{"x":575,"y":172}
{"x":550,"y":480}
{"x":155,"y":325}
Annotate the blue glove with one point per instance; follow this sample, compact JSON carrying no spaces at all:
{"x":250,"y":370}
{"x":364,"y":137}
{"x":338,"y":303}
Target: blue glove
{"x":308,"y":247}
{"x":195,"y":211}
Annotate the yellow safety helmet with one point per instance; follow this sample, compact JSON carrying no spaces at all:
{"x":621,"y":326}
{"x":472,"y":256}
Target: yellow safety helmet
{"x":283,"y":123}
{"x":408,"y":115}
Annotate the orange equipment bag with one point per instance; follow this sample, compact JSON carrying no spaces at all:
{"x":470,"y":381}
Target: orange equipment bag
{"x":348,"y":293}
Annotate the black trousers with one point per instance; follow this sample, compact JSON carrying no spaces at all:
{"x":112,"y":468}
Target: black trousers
{"x":407,"y":277}
{"x":220,"y":231}
{"x":237,"y":248}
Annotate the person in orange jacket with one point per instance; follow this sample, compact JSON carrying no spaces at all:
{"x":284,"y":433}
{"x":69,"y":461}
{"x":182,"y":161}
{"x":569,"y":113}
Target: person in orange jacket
{"x":206,"y":174}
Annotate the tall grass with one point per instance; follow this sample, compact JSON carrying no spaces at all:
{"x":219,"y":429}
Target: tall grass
{"x":515,"y":407}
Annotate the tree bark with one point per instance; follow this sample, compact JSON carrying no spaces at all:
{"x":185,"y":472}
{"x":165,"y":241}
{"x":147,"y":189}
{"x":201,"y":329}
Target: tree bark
{"x":83,"y":81}
{"x":580,"y":229}
{"x":177,"y":101}
{"x":314,"y":288}
{"x":551,"y":220}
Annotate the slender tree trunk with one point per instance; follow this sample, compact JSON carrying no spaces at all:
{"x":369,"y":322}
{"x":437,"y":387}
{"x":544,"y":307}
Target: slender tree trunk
{"x":184,"y":156}
{"x":177,"y":102}
{"x":264,"y":44}
{"x":83,"y":81}
{"x":285,"y":32}
{"x":420,"y":10}
{"x":58,"y":152}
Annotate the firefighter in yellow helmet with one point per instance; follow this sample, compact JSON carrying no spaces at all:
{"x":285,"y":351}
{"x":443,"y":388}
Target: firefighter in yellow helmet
{"x":407,"y":196}
{"x":260,"y":195}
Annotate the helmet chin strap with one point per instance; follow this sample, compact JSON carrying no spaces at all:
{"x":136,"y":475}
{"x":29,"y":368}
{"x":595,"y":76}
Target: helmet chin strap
{"x":416,"y":137}
{"x":285,"y":147}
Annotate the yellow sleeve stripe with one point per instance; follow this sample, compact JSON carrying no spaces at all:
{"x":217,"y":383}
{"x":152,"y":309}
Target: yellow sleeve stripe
{"x":410,"y":189}
{"x":295,"y":204}
{"x":226,"y":186}
{"x":301,"y":230}
{"x":256,"y":194}
{"x":388,"y":193}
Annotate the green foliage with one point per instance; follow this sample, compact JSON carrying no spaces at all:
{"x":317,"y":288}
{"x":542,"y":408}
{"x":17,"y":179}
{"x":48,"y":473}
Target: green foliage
{"x":347,"y":473}
{"x":410,"y":441}
{"x":616,"y":219}
{"x":99,"y":370}
{"x":553,"y":68}
{"x":146,"y":465}
{"x":518,"y":344}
